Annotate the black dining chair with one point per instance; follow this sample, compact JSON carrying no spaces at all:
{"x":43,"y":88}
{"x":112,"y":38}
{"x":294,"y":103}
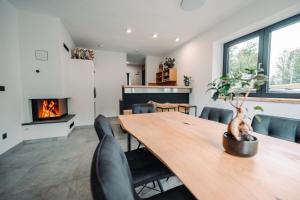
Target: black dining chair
{"x":102,"y":126}
{"x":279,"y":127}
{"x":111,"y":177}
{"x":142,"y":108}
{"x":144,"y":166}
{"x":217,"y":114}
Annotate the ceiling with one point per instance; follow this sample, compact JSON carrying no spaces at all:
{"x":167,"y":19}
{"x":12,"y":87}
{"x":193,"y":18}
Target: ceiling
{"x":102,"y":23}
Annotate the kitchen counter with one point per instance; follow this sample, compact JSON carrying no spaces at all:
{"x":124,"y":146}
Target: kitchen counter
{"x":136,"y":94}
{"x":155,"y":89}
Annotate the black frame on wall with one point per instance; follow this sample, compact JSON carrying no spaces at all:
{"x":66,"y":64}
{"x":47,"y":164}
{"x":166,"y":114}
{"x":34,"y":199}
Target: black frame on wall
{"x":263,"y":55}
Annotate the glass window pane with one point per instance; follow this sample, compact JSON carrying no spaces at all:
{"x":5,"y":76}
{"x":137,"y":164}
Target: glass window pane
{"x":243,"y":55}
{"x":284,"y":71}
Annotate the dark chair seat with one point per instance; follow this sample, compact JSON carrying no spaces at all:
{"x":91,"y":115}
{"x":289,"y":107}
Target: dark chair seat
{"x":111,"y":177}
{"x":145,"y":167}
{"x":140,"y":158}
{"x":279,"y":127}
{"x":217,"y":114}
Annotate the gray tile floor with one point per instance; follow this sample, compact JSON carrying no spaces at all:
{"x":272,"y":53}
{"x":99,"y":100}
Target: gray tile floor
{"x":57,"y":169}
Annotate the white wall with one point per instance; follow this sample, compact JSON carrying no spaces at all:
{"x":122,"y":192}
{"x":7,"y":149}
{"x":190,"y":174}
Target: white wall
{"x":151,"y":67}
{"x":11,"y":99}
{"x":66,"y":61}
{"x":21,"y":34}
{"x":80,"y":86}
{"x":110,"y":75}
{"x":42,"y":32}
{"x":202,"y":57}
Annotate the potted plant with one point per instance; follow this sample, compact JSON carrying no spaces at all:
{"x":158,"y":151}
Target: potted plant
{"x":169,"y":62}
{"x":235,"y":88}
{"x":187,"y":80}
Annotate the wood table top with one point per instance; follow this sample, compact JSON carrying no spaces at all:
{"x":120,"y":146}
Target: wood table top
{"x":192,"y":148}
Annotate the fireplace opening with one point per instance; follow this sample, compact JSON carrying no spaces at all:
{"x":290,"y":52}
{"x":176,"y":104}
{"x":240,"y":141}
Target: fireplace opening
{"x":48,"y":109}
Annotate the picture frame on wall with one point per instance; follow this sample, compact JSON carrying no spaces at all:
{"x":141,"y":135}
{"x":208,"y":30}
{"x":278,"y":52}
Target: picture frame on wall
{"x":41,"y":55}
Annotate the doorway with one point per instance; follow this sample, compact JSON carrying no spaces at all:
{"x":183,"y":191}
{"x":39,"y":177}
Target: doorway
{"x":135,"y":69}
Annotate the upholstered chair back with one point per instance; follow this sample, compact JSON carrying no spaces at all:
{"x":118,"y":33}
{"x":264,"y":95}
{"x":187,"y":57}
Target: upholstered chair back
{"x":102,"y":127}
{"x":217,"y":114}
{"x":142,"y":108}
{"x":110,"y":174}
{"x":279,"y":127}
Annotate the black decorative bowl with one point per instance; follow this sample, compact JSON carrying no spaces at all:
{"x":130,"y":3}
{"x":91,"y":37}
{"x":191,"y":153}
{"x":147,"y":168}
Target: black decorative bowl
{"x":242,"y":148}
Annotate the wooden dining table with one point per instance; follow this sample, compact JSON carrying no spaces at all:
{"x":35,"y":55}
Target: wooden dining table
{"x":192,"y":148}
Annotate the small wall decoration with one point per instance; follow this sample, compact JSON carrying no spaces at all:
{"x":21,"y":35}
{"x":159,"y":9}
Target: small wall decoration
{"x":41,"y":55}
{"x":84,"y":54}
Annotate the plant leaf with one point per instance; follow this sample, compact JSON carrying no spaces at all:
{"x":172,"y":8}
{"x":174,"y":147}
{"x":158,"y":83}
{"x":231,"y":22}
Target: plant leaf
{"x":259,"y":108}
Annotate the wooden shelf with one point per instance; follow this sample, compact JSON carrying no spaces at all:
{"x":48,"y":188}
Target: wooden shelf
{"x":167,"y":77}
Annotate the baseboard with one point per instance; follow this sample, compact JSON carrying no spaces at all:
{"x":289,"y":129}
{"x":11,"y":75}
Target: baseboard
{"x":33,"y":141}
{"x":83,"y":127}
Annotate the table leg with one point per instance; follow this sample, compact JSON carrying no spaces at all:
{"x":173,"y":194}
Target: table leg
{"x":128,"y":142}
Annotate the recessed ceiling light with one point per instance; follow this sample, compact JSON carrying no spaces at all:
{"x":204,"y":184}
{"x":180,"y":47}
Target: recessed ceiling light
{"x":190,"y":5}
{"x":128,"y":31}
{"x":155,"y":35}
{"x":177,"y":39}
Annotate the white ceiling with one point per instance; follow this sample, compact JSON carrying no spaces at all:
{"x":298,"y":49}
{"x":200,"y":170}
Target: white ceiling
{"x":94,"y":22}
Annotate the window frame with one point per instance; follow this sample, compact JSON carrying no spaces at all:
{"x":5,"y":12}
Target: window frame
{"x":264,"y":35}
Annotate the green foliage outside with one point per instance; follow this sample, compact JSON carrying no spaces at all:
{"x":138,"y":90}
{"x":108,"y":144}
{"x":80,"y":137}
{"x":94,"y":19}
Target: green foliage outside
{"x":287,"y":68}
{"x":244,"y":58}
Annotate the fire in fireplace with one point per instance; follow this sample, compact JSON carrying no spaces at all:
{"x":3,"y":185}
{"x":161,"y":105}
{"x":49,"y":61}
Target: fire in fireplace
{"x":47,"y":109}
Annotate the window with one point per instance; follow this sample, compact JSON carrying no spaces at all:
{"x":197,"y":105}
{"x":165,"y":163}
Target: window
{"x":276,"y":49}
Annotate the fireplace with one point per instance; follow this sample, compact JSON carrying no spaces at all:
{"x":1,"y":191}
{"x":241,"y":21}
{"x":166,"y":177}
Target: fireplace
{"x":49,"y":109}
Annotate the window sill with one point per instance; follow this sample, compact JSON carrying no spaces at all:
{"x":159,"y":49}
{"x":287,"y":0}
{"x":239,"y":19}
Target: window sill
{"x":272,"y":100}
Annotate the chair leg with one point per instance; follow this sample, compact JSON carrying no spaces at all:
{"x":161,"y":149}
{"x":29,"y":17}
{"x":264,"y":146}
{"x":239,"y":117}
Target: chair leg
{"x":160,"y":186}
{"x":141,"y":189}
{"x":128,"y":142}
{"x":153,"y":184}
{"x":139,"y":145}
{"x":145,"y":186}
